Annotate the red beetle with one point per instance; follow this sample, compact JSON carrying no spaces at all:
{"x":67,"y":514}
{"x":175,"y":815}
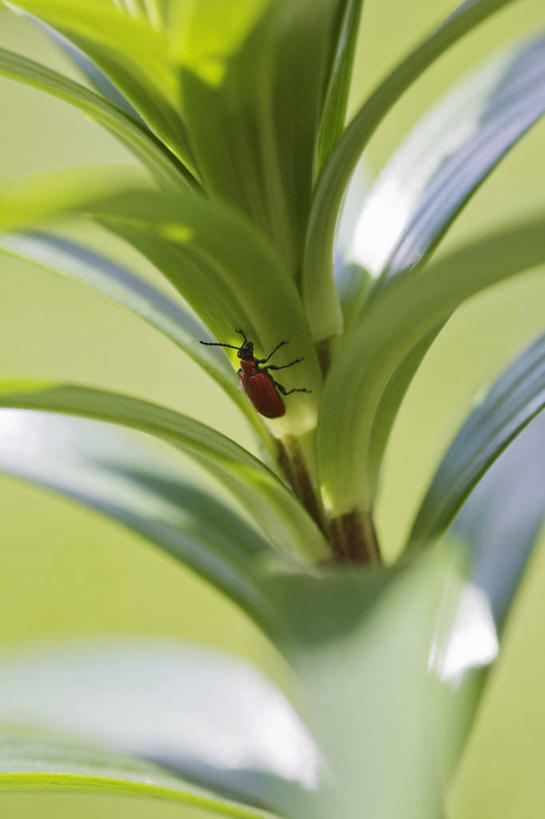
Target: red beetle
{"x":260,"y":387}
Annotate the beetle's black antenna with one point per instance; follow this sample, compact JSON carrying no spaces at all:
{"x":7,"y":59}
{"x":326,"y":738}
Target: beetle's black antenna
{"x":218,"y":344}
{"x":264,"y":360}
{"x":243,"y":334}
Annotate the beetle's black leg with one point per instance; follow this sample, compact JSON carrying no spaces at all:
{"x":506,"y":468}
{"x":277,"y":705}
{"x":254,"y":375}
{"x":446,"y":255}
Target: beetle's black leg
{"x":264,"y":360}
{"x":218,"y":344}
{"x":282,"y":366}
{"x":284,"y":391}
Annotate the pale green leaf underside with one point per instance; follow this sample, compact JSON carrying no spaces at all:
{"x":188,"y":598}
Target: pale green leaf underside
{"x":275,"y":509}
{"x":318,"y":282}
{"x":397,"y":322}
{"x":513,"y":400}
{"x":127,"y":479}
{"x":513,"y":102}
{"x":43,"y":764}
{"x":502,"y":517}
{"x":167,"y":170}
{"x":203,"y":714}
{"x":446,"y":155}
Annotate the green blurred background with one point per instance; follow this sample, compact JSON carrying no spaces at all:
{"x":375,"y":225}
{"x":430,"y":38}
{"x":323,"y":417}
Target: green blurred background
{"x":65,"y":571}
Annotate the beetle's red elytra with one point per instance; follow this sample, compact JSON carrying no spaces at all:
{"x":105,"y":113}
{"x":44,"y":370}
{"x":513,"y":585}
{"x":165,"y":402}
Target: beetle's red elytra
{"x":258,"y":384}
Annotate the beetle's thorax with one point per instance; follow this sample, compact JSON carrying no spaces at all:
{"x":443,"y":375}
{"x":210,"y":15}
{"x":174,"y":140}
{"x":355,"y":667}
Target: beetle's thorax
{"x":249,"y":367}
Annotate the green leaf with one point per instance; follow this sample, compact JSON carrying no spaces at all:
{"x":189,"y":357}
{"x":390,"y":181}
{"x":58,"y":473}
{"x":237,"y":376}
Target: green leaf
{"x":318,"y":283}
{"x":45,"y":764}
{"x":131,"y":53}
{"x":94,"y":76}
{"x":336,"y":101}
{"x":205,"y":715}
{"x":261,"y":493}
{"x":208,"y":251}
{"x":500,"y":773}
{"x":231,"y":276}
{"x":27,"y":202}
{"x":397,"y":321}
{"x":447,"y":157}
{"x":434,"y":176}
{"x":144,"y":490}
{"x":502,"y":517}
{"x":513,"y":400}
{"x":370,"y":648}
{"x":168,"y":171}
{"x":253,"y":77}
{"x":390,"y":403}
{"x":355,"y":285}
{"x":66,"y":258}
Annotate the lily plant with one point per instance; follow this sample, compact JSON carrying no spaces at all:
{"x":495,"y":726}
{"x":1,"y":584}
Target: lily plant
{"x":238,"y":113}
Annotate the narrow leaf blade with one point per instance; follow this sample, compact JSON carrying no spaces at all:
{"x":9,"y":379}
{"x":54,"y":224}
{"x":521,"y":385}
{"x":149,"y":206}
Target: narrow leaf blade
{"x":30,"y":764}
{"x":205,"y":715}
{"x":262,"y":494}
{"x":459,"y":144}
{"x":501,"y":519}
{"x":318,"y":282}
{"x":511,"y":403}
{"x":168,"y":171}
{"x":340,"y":75}
{"x":140,"y":488}
{"x":77,"y":262}
{"x":253,"y":79}
{"x":130,"y":52}
{"x":397,"y":321}
{"x":229,"y":273}
{"x":206,"y":250}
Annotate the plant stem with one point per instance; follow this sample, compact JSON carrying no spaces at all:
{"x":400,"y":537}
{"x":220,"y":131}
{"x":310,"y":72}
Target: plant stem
{"x":352,"y":536}
{"x":354,"y":539}
{"x":296,"y":468}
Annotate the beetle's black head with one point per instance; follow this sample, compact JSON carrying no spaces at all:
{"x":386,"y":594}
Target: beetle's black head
{"x":246,"y":352}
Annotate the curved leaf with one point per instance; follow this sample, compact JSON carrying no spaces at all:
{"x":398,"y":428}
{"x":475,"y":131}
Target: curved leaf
{"x":398,"y":320}
{"x":207,"y":250}
{"x":45,"y":764}
{"x":94,"y":76}
{"x":127,"y":480}
{"x":253,"y":78}
{"x":470,"y":133}
{"x":340,"y":75}
{"x":391,"y":399}
{"x":131,"y":53}
{"x":229,"y":274}
{"x":355,"y":285}
{"x":208,"y":717}
{"x":365,"y":644}
{"x":103,"y":24}
{"x":66,"y":258}
{"x":501,"y":519}
{"x":318,"y":283}
{"x":168,"y":171}
{"x":262,"y":494}
{"x":512,"y":402}
{"x":50,"y":196}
